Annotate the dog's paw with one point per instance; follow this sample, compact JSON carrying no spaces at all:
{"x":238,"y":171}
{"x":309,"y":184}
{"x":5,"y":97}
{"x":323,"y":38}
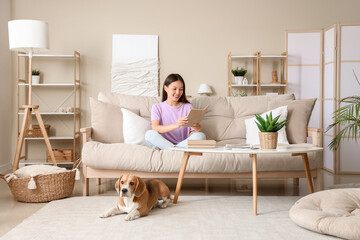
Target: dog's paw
{"x":163,"y":205}
{"x":104,"y":215}
{"x":129,"y":217}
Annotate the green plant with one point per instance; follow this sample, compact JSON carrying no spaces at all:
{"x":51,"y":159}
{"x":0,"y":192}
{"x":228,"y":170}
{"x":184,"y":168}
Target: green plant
{"x":241,"y":94}
{"x":347,"y":116}
{"x":239,"y":72}
{"x":270,"y":124}
{"x":35,"y":72}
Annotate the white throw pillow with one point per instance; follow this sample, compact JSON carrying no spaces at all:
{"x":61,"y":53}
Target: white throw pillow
{"x":134,"y":128}
{"x":252,"y":130}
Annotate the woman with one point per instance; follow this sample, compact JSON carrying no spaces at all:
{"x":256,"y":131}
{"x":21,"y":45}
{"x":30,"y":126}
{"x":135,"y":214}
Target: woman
{"x":169,"y":117}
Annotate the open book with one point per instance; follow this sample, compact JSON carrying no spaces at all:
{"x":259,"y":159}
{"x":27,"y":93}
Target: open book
{"x":195,"y":116}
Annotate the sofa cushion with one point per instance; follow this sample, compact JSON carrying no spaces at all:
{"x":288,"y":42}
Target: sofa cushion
{"x":252,"y":130}
{"x":140,"y":158}
{"x":142,"y":104}
{"x":134,"y":127}
{"x":299,"y":113}
{"x":225,"y":118}
{"x":107,"y":129}
{"x":334,"y":212}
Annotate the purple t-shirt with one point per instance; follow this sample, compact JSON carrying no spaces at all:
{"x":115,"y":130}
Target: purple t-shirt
{"x":167,"y":115}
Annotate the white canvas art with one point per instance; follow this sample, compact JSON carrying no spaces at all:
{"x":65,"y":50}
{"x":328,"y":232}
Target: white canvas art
{"x":135,"y":65}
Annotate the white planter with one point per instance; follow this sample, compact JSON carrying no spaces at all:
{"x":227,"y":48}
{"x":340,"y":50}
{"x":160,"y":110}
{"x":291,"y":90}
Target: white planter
{"x":35,"y":79}
{"x":239,"y":80}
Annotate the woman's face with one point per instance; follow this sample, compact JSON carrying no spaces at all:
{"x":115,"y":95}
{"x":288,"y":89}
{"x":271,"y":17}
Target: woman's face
{"x":174,"y":90}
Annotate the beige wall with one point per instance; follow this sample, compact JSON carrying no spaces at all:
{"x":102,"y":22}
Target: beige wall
{"x":7,"y":91}
{"x":194,"y":36}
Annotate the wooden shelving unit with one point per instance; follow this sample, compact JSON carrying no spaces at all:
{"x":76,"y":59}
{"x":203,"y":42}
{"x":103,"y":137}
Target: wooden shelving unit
{"x":256,"y":82}
{"x":69,"y":86}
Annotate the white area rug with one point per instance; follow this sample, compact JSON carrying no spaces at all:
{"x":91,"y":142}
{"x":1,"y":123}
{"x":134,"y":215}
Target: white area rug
{"x":194,"y":217}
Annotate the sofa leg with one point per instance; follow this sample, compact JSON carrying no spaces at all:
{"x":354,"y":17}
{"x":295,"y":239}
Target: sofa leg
{"x":98,"y":181}
{"x":85,"y":182}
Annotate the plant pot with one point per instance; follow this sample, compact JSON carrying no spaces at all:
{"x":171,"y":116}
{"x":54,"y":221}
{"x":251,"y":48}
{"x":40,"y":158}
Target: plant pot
{"x":239,"y":80}
{"x":268,"y":140}
{"x":35,"y":79}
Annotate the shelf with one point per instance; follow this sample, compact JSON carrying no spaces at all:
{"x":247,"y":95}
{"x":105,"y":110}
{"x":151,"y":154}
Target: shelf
{"x":273,"y":56}
{"x":50,"y":84}
{"x":273,"y":85}
{"x":51,"y":113}
{"x":257,"y":84}
{"x":41,"y":161}
{"x":234,"y":57}
{"x":49,"y":55}
{"x":247,"y":85}
{"x":51,"y":138}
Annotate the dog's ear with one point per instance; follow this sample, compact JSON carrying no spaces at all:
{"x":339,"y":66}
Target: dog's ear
{"x":117,"y":185}
{"x":140,"y":187}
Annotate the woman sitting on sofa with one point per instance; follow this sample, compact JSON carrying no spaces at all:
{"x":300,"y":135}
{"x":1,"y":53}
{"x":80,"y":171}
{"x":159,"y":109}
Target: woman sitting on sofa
{"x":169,"y":117}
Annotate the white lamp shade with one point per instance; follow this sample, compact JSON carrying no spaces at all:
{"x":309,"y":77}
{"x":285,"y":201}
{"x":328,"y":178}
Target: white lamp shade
{"x":28,"y":35}
{"x":204,"y":88}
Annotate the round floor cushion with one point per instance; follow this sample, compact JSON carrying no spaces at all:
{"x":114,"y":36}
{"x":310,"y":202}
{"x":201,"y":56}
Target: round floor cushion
{"x":335,"y":212}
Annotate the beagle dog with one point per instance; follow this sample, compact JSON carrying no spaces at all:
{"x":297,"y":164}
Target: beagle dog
{"x":138,"y":197}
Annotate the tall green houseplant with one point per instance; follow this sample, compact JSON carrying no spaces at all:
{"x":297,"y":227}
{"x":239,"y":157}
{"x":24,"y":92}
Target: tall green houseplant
{"x":347,"y":117}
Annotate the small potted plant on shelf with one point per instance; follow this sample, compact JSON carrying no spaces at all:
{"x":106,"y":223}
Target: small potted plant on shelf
{"x":269,"y":128}
{"x":35,"y":76}
{"x":239,"y":76}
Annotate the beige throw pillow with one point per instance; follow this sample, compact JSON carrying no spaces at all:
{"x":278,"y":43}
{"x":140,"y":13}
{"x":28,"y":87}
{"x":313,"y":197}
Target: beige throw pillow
{"x":299,"y":113}
{"x":106,"y":122}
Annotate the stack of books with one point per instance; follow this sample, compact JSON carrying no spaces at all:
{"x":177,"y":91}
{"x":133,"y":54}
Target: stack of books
{"x":201,"y":144}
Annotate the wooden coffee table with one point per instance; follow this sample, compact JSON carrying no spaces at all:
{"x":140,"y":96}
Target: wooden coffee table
{"x":294,"y":149}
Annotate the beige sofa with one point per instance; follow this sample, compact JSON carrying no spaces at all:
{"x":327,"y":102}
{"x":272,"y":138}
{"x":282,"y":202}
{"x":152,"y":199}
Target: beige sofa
{"x":104,"y":155}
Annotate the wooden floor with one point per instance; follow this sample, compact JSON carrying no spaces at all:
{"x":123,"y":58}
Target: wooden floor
{"x":13,"y":212}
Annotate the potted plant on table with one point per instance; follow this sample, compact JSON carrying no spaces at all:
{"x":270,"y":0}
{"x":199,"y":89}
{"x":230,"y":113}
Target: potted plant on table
{"x":35,"y":78}
{"x":239,"y":75}
{"x":269,"y":128}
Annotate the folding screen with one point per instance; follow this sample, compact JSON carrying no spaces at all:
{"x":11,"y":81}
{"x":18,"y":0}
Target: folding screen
{"x":349,"y":62}
{"x":340,"y":47}
{"x":305,"y":69}
{"x":329,"y":94}
{"x":135,"y":65}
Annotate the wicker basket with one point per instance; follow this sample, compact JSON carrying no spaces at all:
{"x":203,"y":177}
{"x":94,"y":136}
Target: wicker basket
{"x":48,"y":187}
{"x":36,"y":131}
{"x":268,"y":140}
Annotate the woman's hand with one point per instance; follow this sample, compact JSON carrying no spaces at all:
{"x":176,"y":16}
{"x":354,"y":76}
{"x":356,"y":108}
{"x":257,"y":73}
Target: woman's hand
{"x":196,"y":127}
{"x":181,"y":122}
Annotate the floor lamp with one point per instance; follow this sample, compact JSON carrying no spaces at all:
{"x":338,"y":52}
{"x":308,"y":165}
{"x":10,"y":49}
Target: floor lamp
{"x":29,"y":36}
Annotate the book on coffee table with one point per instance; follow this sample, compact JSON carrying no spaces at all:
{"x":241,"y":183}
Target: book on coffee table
{"x":201,"y":143}
{"x":195,"y":116}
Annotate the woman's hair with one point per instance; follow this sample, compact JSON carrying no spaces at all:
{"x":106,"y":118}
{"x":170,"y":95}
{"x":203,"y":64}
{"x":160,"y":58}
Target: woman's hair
{"x":170,"y":79}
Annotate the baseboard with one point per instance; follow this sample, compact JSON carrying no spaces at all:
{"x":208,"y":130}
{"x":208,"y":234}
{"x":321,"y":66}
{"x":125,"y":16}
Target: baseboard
{"x":5,"y":168}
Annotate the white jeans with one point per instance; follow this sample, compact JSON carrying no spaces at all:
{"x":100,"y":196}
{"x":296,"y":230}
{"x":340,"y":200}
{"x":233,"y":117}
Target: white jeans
{"x":155,"y":139}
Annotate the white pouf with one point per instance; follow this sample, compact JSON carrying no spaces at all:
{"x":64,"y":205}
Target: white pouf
{"x":335,"y":212}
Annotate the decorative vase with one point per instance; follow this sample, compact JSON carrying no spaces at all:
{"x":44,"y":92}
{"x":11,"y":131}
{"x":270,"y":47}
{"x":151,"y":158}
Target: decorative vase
{"x":245,"y":81}
{"x":268,"y":140}
{"x":35,"y":79}
{"x":239,"y":80}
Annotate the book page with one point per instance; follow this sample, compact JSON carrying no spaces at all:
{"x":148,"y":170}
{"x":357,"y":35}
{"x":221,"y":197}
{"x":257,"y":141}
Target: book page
{"x":195,"y":116}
